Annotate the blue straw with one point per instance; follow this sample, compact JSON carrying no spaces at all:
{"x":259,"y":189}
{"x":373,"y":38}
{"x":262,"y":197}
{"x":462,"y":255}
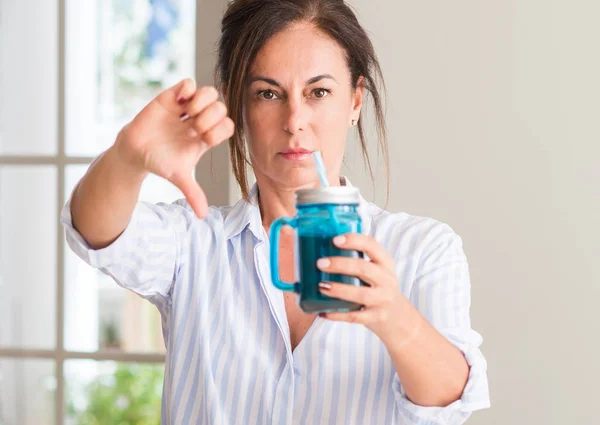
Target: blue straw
{"x":321,"y":168}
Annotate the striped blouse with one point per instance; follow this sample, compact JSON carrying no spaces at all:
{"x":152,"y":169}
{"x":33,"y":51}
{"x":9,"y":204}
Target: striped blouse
{"x":229,"y":357}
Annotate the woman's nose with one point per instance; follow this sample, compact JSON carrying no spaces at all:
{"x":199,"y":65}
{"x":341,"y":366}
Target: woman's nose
{"x":295,"y":119}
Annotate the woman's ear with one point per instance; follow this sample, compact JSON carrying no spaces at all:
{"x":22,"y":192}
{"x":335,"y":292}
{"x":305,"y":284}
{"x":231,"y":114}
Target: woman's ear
{"x":357,"y":99}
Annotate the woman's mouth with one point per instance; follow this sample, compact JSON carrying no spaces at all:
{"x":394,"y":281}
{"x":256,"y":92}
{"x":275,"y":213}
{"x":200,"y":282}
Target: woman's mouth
{"x":296,"y":154}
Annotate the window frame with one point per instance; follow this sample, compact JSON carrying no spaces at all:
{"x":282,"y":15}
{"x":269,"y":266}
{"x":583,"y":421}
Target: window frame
{"x":59,"y":355}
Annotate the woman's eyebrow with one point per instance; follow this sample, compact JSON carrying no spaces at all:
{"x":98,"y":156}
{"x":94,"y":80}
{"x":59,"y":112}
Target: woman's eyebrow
{"x":266,"y":80}
{"x":277,"y":84}
{"x":319,"y":78}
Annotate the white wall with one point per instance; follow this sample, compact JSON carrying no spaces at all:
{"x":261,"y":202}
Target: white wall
{"x":493,"y":119}
{"x":493,"y":114}
{"x":214,"y":169}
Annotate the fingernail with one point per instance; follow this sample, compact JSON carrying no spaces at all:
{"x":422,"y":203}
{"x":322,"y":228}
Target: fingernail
{"x":323,"y":263}
{"x":324,"y":285}
{"x":322,"y":314}
{"x":339,"y":240}
{"x":181,"y":101}
{"x":184,"y":116}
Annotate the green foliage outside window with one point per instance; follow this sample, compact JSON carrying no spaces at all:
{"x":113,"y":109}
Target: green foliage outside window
{"x":129,"y":396}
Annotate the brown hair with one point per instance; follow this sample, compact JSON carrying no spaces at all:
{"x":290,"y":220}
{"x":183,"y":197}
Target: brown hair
{"x":248,"y":24}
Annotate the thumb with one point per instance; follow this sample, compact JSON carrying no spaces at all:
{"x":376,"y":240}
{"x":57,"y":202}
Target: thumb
{"x":192,"y":192}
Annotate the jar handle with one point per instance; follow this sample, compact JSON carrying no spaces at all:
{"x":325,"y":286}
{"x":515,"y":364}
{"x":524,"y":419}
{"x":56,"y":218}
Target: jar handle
{"x":274,"y":241}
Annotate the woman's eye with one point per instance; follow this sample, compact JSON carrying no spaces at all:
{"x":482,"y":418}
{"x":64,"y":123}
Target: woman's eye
{"x":320,"y":93}
{"x":267,"y":94}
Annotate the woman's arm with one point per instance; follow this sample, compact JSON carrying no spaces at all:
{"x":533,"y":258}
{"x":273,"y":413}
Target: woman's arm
{"x":440,"y":372}
{"x":166,"y":138}
{"x":433,"y":372}
{"x":104,"y":199}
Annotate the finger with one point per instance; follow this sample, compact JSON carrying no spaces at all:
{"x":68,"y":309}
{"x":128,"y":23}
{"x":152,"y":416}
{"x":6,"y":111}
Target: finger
{"x":209,"y":118}
{"x":366,"y":244}
{"x":202,"y":98}
{"x":184,"y":90}
{"x":367,"y":271}
{"x":193,"y":193}
{"x":174,"y":97}
{"x":360,"y":316}
{"x":357,"y":294}
{"x":222,"y":131}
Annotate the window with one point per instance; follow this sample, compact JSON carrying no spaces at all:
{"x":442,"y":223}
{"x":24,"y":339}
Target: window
{"x":70,"y":338}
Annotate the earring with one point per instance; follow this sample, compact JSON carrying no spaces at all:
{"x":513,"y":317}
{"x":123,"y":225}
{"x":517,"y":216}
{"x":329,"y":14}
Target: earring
{"x":353,"y":123}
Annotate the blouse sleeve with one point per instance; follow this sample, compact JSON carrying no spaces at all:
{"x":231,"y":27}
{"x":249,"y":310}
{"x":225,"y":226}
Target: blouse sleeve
{"x":441,"y":292}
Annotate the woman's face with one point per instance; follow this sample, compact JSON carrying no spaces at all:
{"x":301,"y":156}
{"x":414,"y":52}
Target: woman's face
{"x":298,"y":99}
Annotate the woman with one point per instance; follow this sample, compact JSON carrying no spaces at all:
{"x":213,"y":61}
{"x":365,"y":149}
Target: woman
{"x":293,"y":75}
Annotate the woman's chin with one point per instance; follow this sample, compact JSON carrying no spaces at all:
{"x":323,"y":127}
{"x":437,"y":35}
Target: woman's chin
{"x":297,"y":177}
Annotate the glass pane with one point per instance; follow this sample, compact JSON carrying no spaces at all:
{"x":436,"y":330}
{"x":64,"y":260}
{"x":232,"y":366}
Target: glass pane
{"x":99,"y":314}
{"x":28,"y":225}
{"x":112,"y":393}
{"x":119,"y":55}
{"x":28,"y":77}
{"x":27,"y":392}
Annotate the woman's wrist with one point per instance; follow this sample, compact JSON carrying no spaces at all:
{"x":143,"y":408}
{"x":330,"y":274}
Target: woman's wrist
{"x":404,"y":329}
{"x":125,"y":163}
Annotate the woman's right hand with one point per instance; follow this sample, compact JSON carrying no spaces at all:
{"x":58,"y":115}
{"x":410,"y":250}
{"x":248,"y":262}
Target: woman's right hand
{"x":172,"y":132}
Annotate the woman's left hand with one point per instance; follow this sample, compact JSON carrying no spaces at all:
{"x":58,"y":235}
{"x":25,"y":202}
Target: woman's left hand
{"x":383,"y":302}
